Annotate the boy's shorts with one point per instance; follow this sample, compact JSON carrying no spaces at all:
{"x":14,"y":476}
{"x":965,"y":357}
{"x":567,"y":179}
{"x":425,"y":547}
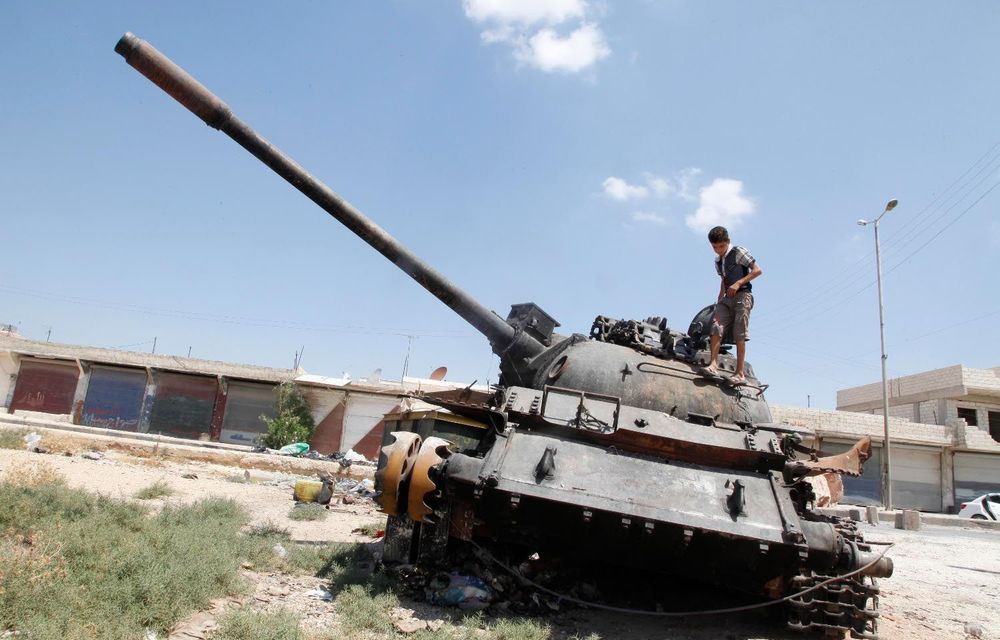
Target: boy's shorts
{"x":733,"y":312}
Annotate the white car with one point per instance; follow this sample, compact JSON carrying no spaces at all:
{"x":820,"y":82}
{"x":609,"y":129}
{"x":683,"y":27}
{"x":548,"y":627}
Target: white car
{"x":985,"y":507}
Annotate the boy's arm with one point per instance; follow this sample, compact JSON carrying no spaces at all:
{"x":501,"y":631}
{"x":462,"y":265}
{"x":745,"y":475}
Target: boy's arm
{"x":722,"y":287}
{"x":755,"y":271}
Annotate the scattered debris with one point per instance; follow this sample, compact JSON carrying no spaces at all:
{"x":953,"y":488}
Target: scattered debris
{"x":31,"y":443}
{"x":465,"y":592}
{"x":359,"y":488}
{"x":353,"y":457}
{"x":279,"y":550}
{"x":410,"y":625}
{"x":294,"y":449}
{"x":190,"y":476}
{"x":92,"y":455}
{"x":196,"y":627}
{"x":319,"y":594}
{"x":320,"y":491}
{"x":973,"y":629}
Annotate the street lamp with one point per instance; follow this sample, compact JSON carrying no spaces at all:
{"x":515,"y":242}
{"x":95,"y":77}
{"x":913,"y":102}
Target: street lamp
{"x":886,"y":482}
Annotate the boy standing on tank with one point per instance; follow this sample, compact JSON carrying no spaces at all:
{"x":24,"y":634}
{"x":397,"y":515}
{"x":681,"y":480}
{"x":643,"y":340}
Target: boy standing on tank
{"x":736,"y":268}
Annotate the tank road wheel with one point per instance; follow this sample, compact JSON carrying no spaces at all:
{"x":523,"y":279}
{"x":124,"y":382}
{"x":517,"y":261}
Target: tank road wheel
{"x":393,"y":477}
{"x":432,"y":453}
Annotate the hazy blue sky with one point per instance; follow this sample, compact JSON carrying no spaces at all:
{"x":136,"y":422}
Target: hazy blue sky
{"x":565,"y":152}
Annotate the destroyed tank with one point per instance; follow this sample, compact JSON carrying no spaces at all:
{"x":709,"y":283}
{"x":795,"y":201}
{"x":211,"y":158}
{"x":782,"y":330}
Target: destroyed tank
{"x":610,"y":445}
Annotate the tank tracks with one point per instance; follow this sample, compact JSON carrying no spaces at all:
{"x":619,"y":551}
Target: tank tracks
{"x":842,"y":607}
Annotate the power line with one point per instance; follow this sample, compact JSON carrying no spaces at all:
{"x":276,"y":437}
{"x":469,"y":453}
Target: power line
{"x":944,"y":228}
{"x":839,"y":302}
{"x":952,"y":326}
{"x":858,"y":270}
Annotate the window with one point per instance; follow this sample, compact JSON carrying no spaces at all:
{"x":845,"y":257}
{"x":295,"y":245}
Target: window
{"x":995,"y":498}
{"x":969,"y":415}
{"x":995,"y":425}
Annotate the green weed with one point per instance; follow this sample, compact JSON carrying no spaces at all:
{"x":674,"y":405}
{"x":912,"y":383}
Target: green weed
{"x":257,"y":625}
{"x":74,"y":565}
{"x":158,"y":489}
{"x":12,"y":438}
{"x":308,"y":511}
{"x":363,"y":610}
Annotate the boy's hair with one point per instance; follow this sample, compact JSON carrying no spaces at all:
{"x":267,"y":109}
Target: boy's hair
{"x":718,"y":234}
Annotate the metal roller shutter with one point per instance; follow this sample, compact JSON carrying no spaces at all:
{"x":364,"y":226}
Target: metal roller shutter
{"x":245,"y":404}
{"x":916,"y":478}
{"x":182,"y":405}
{"x":48,"y":387}
{"x":114,"y":398}
{"x":976,"y":474}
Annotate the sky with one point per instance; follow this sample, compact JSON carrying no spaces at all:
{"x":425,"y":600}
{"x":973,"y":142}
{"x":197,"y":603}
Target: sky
{"x":572,"y":153}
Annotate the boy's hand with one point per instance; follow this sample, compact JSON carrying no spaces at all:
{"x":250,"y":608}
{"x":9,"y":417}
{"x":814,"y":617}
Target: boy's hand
{"x":732,"y":290}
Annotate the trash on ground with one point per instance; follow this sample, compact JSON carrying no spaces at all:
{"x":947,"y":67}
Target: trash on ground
{"x":279,"y":551}
{"x":353,"y":456}
{"x":31,"y":441}
{"x":465,"y":592}
{"x":294,"y":449}
{"x":319,"y":594}
{"x":320,"y":491}
{"x":92,"y":455}
{"x":356,"y":488}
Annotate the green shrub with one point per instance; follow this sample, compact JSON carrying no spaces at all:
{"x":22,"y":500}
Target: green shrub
{"x":158,"y":489}
{"x":293,"y":421}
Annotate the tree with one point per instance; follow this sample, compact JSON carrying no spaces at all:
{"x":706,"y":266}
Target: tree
{"x":292,"y":422}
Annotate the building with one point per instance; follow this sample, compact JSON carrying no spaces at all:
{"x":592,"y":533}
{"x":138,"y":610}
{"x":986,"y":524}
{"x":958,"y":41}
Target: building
{"x":943,"y":396}
{"x":189,"y":397}
{"x":963,"y":400}
{"x":941,"y":421}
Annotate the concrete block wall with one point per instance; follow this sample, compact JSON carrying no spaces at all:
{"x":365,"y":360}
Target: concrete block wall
{"x":920,"y":383}
{"x":973,"y":436}
{"x":982,"y":380}
{"x":847,"y":423}
{"x":8,"y":376}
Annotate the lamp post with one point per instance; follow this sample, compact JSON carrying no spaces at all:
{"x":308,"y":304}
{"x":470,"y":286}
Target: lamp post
{"x":886,"y":481}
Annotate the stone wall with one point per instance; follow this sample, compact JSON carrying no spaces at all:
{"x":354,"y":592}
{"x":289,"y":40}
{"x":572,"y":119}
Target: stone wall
{"x":851,"y":424}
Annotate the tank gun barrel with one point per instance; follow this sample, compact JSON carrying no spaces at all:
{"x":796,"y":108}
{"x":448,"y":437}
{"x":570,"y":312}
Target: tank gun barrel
{"x":180,"y":85}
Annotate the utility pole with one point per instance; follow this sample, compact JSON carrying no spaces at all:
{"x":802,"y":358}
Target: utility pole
{"x":154,"y":345}
{"x":886,"y":477}
{"x":48,"y":334}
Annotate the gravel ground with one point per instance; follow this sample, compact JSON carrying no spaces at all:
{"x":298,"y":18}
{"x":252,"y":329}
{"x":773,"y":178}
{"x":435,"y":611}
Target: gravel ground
{"x":944,"y":577}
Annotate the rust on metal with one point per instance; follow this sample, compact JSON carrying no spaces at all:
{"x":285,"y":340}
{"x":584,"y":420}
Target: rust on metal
{"x":393,"y":476}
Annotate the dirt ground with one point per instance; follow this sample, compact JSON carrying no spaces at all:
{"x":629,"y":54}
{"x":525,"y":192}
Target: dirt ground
{"x":266,"y":494}
{"x":944,"y":577}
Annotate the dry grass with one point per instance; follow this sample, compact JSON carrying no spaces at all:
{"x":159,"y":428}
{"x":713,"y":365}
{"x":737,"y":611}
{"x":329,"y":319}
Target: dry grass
{"x":308,"y":511}
{"x":158,"y":489}
{"x":257,"y":625}
{"x":35,"y":474}
{"x":12,"y":438}
{"x":371,"y":529}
